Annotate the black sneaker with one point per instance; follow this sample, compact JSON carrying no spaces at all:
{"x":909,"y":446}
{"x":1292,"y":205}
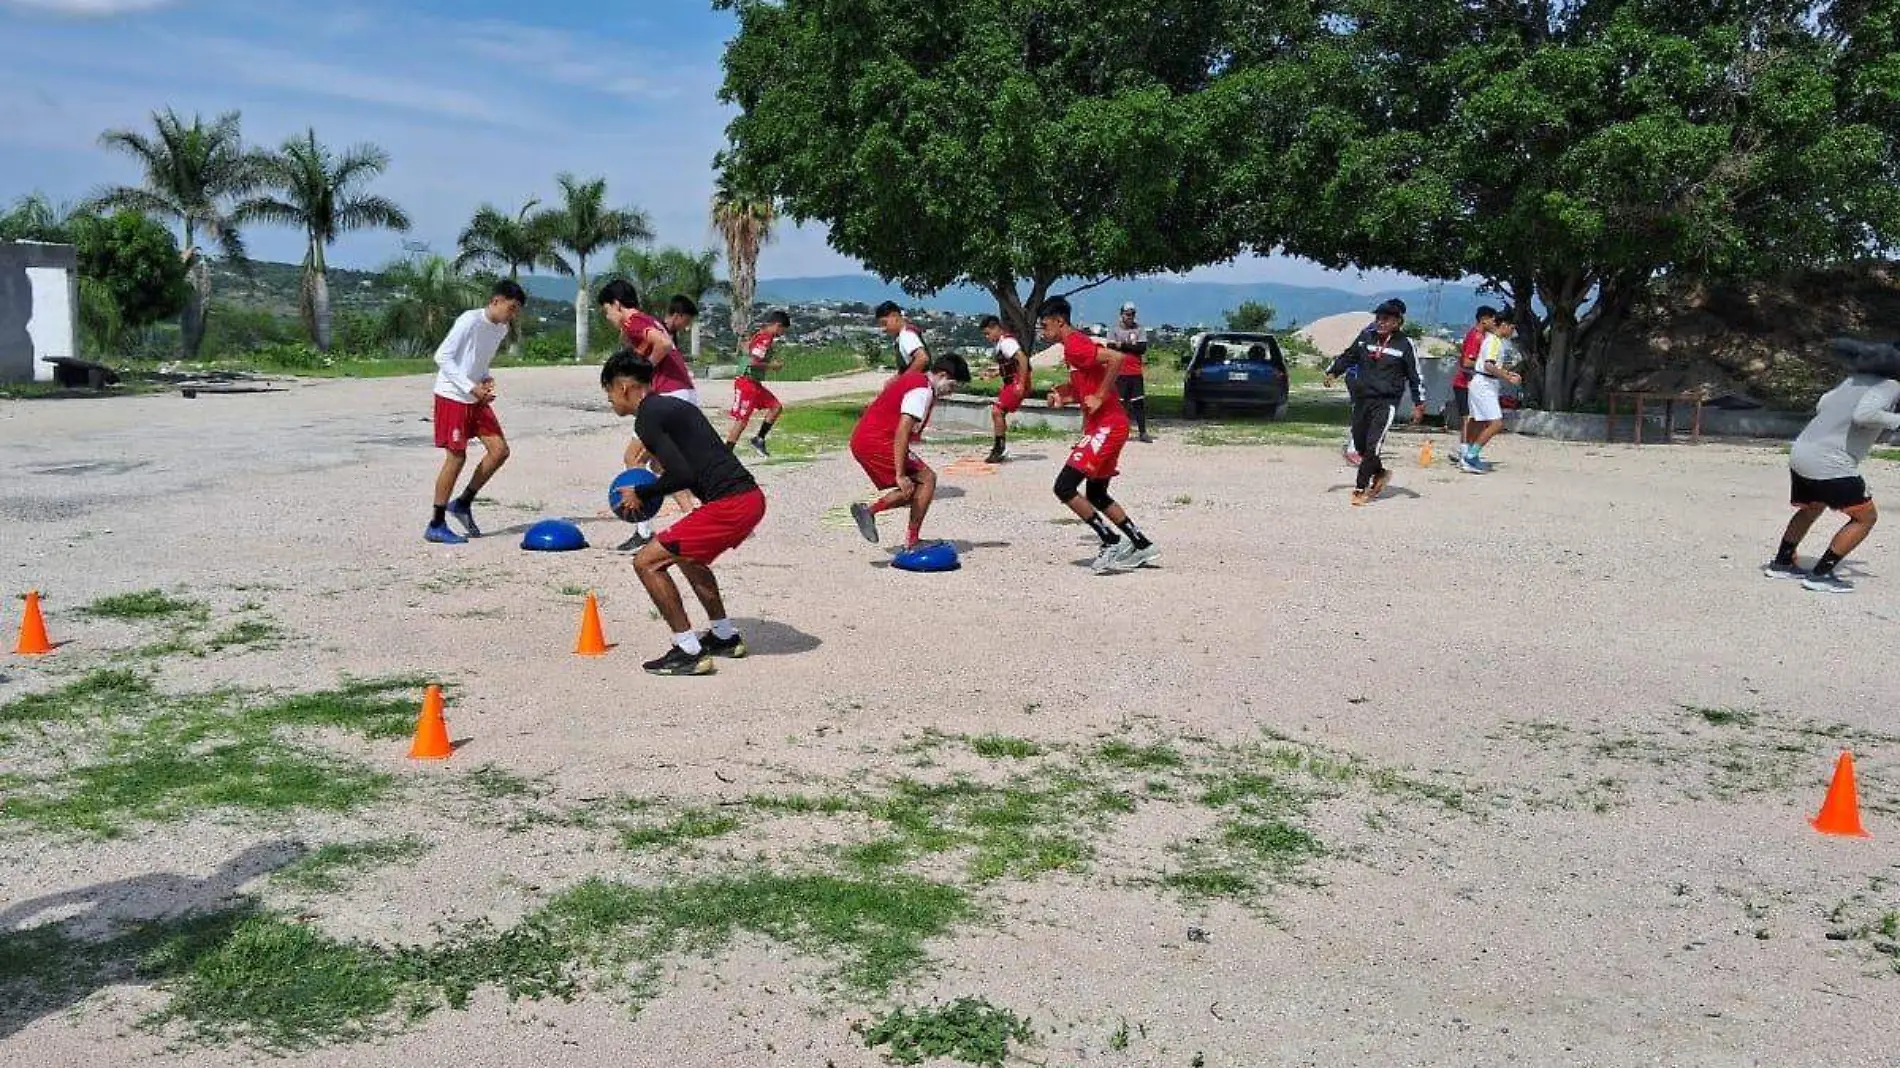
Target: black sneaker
{"x":758,"y":445}
{"x":732,"y":648}
{"x":996,"y":456}
{"x":678,"y":661}
{"x":633,"y":544}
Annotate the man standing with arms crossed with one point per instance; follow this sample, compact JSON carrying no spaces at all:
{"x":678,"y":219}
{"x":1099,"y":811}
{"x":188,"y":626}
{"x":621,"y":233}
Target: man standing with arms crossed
{"x":1130,"y":339}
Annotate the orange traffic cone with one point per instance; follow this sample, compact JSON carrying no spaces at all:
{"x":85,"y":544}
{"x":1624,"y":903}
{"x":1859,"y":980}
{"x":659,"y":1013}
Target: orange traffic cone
{"x":592,"y":641}
{"x":1840,"y":813}
{"x":33,"y":630}
{"x":432,"y":731}
{"x":1425,"y":455}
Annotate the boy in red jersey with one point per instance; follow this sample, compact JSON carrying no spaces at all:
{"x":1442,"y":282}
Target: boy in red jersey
{"x":1093,"y":369}
{"x":1461,"y":379}
{"x":1012,"y":366}
{"x":883,"y":438}
{"x":749,"y":394}
{"x":652,"y":341}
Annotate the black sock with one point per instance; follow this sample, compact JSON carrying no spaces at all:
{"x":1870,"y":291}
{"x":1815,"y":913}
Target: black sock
{"x":764,"y":429}
{"x":1825,"y":565}
{"x":1134,"y":532}
{"x":999,"y":443}
{"x":467,"y":499}
{"x":1785,"y":555}
{"x":1102,"y":531}
{"x":441,"y":515}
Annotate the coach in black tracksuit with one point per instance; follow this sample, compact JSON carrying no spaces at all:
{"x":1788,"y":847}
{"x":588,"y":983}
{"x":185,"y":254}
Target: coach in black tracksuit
{"x":1386,"y":367}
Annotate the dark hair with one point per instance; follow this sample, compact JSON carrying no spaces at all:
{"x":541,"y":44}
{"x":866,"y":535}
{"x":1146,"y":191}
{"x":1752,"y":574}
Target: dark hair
{"x":1056,"y":308}
{"x":621,"y":292}
{"x":780,"y":318}
{"x":626,"y":363}
{"x":989,"y":321}
{"x":889,"y":307}
{"x":683,"y":305}
{"x":1507,"y":317}
{"x":953,"y":365}
{"x":1390,"y":307}
{"x":509,"y":289}
{"x":1486,"y":311}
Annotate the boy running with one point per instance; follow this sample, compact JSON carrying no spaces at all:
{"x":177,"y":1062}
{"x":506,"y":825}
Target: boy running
{"x":912,"y":356}
{"x":465,"y":408}
{"x":1824,"y":465}
{"x":653,"y":341}
{"x":749,"y":394}
{"x":731,"y":506}
{"x":1461,"y":379}
{"x":1012,"y":366}
{"x":1093,"y":369}
{"x":883,"y":439}
{"x":1131,"y":340}
{"x":1486,"y":391}
{"x":1386,"y":367}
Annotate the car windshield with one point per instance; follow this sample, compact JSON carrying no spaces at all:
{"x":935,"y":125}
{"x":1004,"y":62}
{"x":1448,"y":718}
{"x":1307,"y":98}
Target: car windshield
{"x":1235,"y":351}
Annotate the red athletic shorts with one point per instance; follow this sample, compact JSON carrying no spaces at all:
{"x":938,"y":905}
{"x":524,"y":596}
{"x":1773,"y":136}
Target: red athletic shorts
{"x":706,"y":532}
{"x":1100,"y":449}
{"x":1011,"y":398}
{"x":877,"y":463}
{"x":750,"y":395}
{"x":457,"y":423}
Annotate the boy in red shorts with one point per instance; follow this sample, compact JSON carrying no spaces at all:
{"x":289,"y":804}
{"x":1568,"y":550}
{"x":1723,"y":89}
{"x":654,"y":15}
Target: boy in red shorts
{"x":883,"y":438}
{"x":749,"y":394}
{"x":730,"y":507}
{"x":1012,"y":366}
{"x":1093,"y":369}
{"x":465,"y":409}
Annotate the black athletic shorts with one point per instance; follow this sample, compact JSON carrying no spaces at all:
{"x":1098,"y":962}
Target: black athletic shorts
{"x":1836,"y":493}
{"x":1462,"y":396}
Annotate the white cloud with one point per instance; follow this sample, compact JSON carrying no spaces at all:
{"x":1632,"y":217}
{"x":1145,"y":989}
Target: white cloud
{"x":87,"y":8}
{"x":276,"y":69}
{"x":562,"y":58}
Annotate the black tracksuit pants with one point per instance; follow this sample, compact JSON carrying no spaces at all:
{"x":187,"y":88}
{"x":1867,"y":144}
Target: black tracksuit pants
{"x":1371,"y":418}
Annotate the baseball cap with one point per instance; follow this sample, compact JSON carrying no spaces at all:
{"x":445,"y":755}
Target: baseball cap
{"x":1129,"y":306}
{"x":1391,"y":307}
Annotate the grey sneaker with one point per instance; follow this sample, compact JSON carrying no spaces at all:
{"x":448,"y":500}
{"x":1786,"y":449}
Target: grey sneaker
{"x":1112,"y":557}
{"x":1141,"y":557}
{"x":1784,"y":571}
{"x":633,"y":544}
{"x":867,"y":523}
{"x":1827,"y":584}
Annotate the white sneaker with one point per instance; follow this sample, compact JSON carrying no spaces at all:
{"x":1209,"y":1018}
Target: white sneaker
{"x":1138,"y":558}
{"x":1111,"y":558}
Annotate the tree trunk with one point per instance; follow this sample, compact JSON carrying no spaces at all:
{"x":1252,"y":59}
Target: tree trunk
{"x":191,"y":323}
{"x":743,"y":264}
{"x":320,"y":307}
{"x":1018,"y":315}
{"x":1562,"y":296}
{"x":581,"y":322}
{"x":1521,"y":291}
{"x":514,"y":328}
{"x":1599,"y":331}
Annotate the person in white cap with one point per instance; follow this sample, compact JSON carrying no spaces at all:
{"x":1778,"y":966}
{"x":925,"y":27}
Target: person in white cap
{"x":1130,"y":339}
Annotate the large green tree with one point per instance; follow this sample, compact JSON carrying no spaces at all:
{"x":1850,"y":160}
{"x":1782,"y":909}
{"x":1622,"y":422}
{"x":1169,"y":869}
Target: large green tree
{"x":195,"y":173}
{"x":1576,"y":152}
{"x":130,"y":273}
{"x":1003,"y":143}
{"x":583,"y":226}
{"x":315,"y":190}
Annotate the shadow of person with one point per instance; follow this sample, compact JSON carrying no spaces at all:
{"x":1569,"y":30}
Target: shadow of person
{"x":765,"y":637}
{"x":119,"y":932}
{"x":950,"y":493}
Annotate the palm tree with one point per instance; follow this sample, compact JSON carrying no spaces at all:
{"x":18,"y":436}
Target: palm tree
{"x":493,"y":239}
{"x":322,"y":195}
{"x":745,"y":220}
{"x":661,"y":273}
{"x":583,"y":225}
{"x":430,"y":293}
{"x":193,"y":174}
{"x":35,"y":217}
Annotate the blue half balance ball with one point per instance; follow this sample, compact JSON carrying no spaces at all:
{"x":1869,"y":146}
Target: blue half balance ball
{"x":553,"y":536}
{"x":929,"y":557}
{"x":632,"y":478}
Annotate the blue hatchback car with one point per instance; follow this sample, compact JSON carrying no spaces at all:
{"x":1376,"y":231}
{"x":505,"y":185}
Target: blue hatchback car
{"x":1235,"y":370}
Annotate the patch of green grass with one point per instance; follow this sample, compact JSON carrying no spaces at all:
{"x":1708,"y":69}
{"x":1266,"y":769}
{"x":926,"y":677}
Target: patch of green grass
{"x":1274,"y":842}
{"x":970,"y":1030}
{"x":374,"y":708}
{"x":800,"y":804}
{"x":1022,"y":829}
{"x":95,"y":693}
{"x":1199,"y":880}
{"x":498,"y":784}
{"x":145,"y":605}
{"x":1000,"y":747}
{"x":1140,"y":757}
{"x":688,"y":826}
{"x":324,"y":871}
{"x":246,"y":633}
{"x":571,"y":590}
{"x":806,"y":364}
{"x":1722,"y":717}
{"x":1118,"y":1038}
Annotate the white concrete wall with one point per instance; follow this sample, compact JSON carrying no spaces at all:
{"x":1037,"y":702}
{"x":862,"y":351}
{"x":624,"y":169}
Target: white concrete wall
{"x":52,"y":324}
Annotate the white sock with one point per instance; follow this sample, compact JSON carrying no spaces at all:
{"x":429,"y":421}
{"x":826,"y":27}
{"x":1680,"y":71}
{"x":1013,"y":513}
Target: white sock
{"x":643,"y":529}
{"x":688,"y":642}
{"x":724,"y":630}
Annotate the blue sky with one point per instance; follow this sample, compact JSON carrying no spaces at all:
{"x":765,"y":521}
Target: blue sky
{"x":475,"y":101}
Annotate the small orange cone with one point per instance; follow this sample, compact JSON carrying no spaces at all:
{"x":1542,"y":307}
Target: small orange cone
{"x":1840,"y":813}
{"x":432,"y":731}
{"x":592,"y":641}
{"x":1425,"y":455}
{"x":33,"y":640}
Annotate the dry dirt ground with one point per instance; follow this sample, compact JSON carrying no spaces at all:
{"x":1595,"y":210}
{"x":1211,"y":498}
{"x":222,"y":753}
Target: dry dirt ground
{"x":1512,"y":769}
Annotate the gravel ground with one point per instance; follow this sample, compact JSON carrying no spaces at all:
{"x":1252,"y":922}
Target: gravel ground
{"x":1622,"y":884}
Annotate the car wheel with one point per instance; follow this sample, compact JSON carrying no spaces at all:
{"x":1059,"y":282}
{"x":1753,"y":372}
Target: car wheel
{"x":1277,"y":412}
{"x":1192,"y":407}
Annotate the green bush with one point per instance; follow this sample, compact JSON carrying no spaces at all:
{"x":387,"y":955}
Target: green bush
{"x":548,"y":346}
{"x":290,"y":356}
{"x":233,"y":331}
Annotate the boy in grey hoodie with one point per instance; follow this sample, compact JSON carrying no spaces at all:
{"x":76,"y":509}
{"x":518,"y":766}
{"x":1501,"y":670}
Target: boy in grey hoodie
{"x":1824,"y":465}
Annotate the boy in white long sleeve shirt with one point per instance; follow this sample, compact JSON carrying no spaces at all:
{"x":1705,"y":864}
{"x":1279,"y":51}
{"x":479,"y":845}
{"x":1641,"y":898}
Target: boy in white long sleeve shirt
{"x":1824,"y":465}
{"x":464,"y":409}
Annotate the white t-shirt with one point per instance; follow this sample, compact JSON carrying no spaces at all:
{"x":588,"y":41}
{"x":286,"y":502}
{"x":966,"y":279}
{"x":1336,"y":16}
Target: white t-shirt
{"x":1007,"y":349}
{"x":464,"y":355}
{"x":908,"y":342}
{"x":1490,"y":361}
{"x":917,"y":402}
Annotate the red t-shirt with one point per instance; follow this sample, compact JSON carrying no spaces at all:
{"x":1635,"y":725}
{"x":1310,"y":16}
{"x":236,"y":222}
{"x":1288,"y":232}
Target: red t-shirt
{"x":1086,"y":372}
{"x":760,"y":349}
{"x":877,"y":428}
{"x":1467,"y":357}
{"x":669,"y":371}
